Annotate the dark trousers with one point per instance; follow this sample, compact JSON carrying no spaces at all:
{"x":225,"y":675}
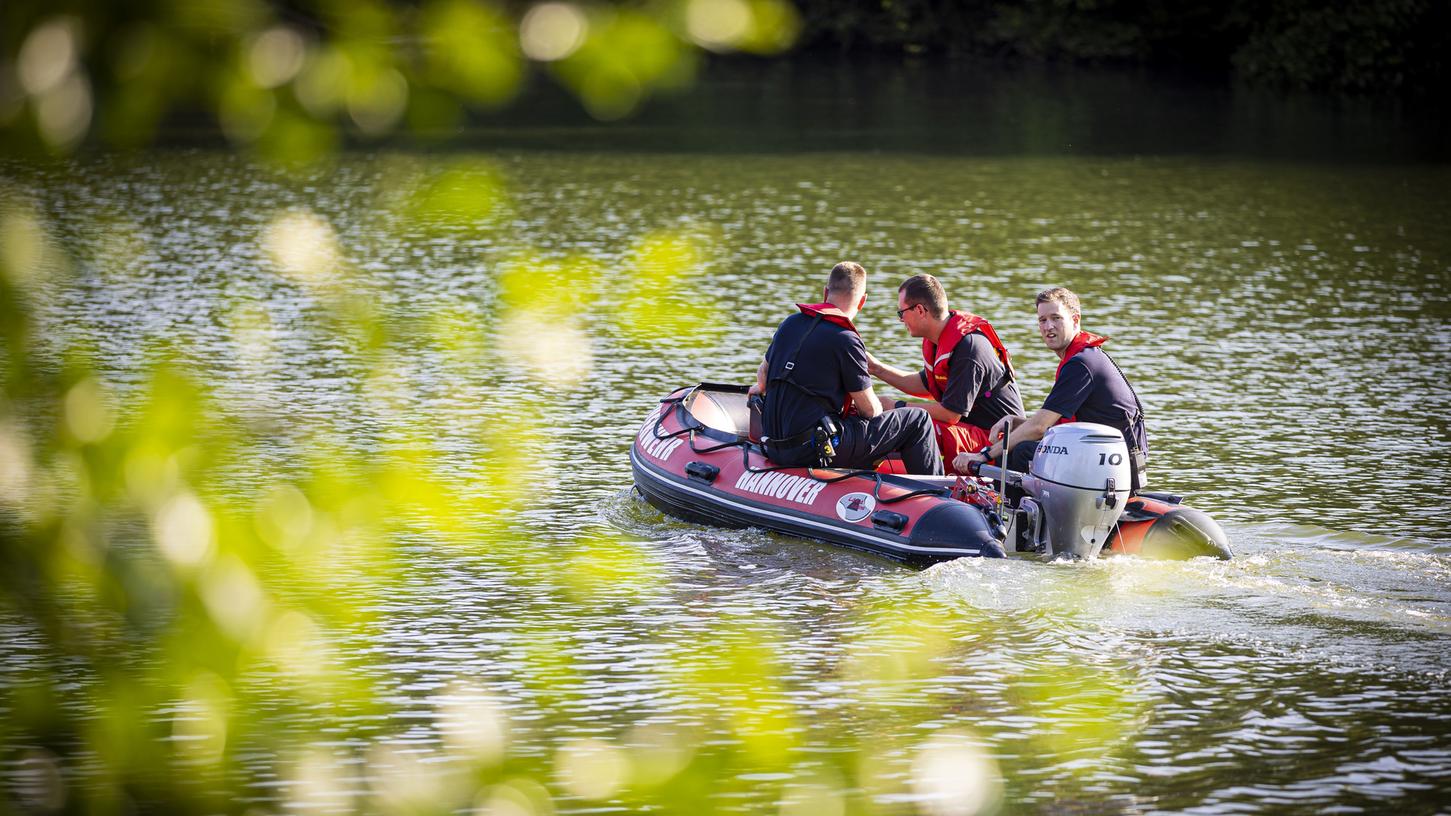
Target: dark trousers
{"x":907,"y":431}
{"x":1021,"y":456}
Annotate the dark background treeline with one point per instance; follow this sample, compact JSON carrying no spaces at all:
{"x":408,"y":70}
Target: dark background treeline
{"x":1358,"y":47}
{"x":1346,"y":46}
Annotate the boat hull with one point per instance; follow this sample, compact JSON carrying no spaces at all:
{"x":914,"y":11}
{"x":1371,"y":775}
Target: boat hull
{"x":707,"y":475}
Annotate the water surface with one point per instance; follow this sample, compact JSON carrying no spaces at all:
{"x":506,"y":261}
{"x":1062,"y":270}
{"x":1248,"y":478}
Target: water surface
{"x":1284,"y":323}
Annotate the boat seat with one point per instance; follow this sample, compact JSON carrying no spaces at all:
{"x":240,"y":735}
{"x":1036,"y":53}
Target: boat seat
{"x":722,"y":411}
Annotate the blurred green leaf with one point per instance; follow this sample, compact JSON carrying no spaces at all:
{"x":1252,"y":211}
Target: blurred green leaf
{"x":469,"y":50}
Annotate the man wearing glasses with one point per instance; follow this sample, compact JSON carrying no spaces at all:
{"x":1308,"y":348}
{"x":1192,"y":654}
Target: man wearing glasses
{"x":967,"y":376}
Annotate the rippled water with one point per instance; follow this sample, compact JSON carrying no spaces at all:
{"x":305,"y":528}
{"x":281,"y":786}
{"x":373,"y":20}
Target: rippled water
{"x":1285,"y":325}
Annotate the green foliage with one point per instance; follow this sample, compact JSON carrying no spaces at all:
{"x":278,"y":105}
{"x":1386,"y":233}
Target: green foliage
{"x":291,"y":80}
{"x":1359,"y":46}
{"x":183,"y":621}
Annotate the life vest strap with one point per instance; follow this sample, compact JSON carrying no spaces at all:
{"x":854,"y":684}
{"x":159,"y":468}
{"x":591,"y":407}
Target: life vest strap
{"x":790,"y":365}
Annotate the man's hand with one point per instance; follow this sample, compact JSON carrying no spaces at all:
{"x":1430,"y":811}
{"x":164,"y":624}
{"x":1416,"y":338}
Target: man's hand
{"x":754,"y":390}
{"x":874,"y":366}
{"x":996,"y":432}
{"x":964,"y":462}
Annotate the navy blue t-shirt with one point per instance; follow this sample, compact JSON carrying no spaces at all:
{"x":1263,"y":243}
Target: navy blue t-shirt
{"x":832,"y":362}
{"x":1091,"y":389}
{"x":973,"y":369}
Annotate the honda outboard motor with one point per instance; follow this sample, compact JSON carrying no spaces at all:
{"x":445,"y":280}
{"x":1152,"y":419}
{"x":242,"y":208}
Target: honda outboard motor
{"x":1079,"y":482}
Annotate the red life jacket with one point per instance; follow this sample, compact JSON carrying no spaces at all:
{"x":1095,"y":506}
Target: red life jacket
{"x":958,"y":437}
{"x":1083,"y":340}
{"x":1079,"y":342}
{"x":938,"y":355}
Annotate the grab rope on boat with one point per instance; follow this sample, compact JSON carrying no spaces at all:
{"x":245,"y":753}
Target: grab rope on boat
{"x":689,"y":424}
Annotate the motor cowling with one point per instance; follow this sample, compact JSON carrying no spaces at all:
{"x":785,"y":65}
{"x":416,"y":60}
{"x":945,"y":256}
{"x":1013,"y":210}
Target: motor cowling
{"x":1080,"y":480}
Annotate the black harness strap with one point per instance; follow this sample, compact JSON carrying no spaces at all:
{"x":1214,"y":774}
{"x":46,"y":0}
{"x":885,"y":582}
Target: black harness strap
{"x":790,"y":365}
{"x":1138,"y":417}
{"x":1138,"y":458}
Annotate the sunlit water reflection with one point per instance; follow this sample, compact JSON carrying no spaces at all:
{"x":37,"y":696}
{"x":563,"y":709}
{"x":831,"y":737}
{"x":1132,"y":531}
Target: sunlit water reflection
{"x":1285,"y":326}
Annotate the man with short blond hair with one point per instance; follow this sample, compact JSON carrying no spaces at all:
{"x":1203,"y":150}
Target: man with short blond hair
{"x":967,"y":374}
{"x":1059,"y":294}
{"x":847,"y":276}
{"x":1088,"y":387}
{"x":819,"y":404}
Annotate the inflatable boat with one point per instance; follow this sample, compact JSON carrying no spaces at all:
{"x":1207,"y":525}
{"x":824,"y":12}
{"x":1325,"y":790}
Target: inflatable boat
{"x":694,"y":458}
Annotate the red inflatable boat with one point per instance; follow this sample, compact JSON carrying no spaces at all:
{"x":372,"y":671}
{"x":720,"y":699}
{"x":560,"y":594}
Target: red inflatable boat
{"x":694,"y":459}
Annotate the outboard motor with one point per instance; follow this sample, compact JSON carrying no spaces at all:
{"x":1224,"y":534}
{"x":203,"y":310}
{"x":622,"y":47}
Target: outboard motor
{"x":1078,"y":484}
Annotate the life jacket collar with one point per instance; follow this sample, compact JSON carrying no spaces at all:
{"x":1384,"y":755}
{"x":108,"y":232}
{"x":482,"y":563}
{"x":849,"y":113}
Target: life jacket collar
{"x":1083,"y":340}
{"x":828,"y":312}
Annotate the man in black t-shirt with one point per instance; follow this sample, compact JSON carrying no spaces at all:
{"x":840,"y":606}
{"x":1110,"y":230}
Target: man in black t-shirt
{"x":1089,"y":387}
{"x":966,"y":373}
{"x":814,"y":378}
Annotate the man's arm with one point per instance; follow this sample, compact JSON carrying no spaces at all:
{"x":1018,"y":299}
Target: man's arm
{"x":866,"y":402}
{"x":1070,"y":389}
{"x":760,"y":386}
{"x":1022,"y":429}
{"x":940,"y":413}
{"x":856,"y":378}
{"x":908,"y":382}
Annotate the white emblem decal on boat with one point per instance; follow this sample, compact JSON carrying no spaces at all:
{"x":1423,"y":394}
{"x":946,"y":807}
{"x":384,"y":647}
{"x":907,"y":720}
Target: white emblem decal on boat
{"x":855,"y":506}
{"x":777,"y":484}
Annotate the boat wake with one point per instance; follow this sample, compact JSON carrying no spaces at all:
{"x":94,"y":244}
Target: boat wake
{"x":1296,"y":594}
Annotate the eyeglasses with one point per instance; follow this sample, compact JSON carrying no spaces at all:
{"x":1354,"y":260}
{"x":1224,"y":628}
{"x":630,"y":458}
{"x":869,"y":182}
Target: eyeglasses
{"x":901,"y":312}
